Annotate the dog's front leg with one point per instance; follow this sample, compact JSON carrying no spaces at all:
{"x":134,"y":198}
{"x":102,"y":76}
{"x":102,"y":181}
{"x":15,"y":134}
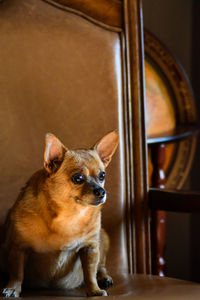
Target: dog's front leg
{"x":90,"y":259}
{"x":15,"y":269}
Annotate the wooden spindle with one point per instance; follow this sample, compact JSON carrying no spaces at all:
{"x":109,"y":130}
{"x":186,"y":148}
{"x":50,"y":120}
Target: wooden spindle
{"x":158,"y":217}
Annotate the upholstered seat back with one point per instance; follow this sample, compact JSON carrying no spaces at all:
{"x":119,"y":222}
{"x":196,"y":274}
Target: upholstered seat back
{"x":59,"y":73}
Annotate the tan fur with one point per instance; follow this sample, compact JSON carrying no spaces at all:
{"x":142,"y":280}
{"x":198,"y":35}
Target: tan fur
{"x":52,"y":234}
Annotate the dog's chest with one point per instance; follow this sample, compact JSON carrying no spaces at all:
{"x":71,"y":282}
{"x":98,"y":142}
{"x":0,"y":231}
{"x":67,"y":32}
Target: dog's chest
{"x":67,"y":242}
{"x":65,"y":232}
{"x":71,"y":233}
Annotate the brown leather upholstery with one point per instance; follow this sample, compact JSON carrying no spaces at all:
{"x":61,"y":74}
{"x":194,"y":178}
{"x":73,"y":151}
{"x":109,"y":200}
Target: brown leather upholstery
{"x":61,"y":73}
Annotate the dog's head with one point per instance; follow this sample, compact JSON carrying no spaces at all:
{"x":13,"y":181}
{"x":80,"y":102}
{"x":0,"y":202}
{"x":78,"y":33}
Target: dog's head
{"x":79,"y":175}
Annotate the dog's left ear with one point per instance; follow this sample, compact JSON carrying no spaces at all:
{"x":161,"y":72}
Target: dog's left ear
{"x":107,"y":146}
{"x":54,"y":153}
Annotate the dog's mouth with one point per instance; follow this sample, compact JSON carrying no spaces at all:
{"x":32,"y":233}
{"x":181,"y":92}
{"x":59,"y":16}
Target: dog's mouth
{"x":95,"y":202}
{"x":98,"y":202}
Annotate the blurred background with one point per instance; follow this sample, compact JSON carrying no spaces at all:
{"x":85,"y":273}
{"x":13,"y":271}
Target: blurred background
{"x":176,"y":23}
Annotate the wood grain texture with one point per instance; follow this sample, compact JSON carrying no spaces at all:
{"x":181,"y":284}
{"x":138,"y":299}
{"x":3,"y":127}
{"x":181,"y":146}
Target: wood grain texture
{"x":103,"y":12}
{"x":137,"y":151}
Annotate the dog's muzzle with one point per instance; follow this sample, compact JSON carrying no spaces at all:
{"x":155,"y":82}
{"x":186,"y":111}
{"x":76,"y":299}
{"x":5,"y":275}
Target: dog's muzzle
{"x":100,"y":195}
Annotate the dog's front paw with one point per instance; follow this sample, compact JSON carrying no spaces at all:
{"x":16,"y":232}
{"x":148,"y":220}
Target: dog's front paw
{"x":9,"y":292}
{"x":105,"y":282}
{"x":97,"y":293}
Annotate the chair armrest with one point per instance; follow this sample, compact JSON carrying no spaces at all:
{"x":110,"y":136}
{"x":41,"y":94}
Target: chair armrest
{"x":174,"y":200}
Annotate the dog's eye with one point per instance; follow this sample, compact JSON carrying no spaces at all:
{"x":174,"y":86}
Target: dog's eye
{"x":102,"y":176}
{"x":78,"y":178}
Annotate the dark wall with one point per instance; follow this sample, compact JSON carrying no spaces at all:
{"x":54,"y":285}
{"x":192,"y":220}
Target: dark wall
{"x":171,"y":22}
{"x":176,"y":24}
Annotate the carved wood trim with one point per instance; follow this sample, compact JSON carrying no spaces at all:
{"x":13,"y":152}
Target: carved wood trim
{"x":106,"y":13}
{"x":139,"y":227}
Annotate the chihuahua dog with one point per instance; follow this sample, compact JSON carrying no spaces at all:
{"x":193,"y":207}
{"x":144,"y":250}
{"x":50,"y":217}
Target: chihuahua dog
{"x":52,"y":235}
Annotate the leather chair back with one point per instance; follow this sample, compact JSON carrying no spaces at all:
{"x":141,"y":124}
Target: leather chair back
{"x":65,"y":69}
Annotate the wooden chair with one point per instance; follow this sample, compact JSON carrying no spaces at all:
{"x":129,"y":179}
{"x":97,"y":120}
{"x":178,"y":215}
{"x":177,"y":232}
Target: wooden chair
{"x":75,"y":68}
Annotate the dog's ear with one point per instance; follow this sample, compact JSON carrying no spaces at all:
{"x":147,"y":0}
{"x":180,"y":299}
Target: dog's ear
{"x":107,"y":146}
{"x":54,"y":153}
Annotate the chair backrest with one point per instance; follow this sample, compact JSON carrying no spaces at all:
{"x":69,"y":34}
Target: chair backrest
{"x":75,"y":68}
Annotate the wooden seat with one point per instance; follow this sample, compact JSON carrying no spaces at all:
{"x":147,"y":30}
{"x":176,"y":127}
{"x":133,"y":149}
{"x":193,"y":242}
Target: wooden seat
{"x":75,"y":68}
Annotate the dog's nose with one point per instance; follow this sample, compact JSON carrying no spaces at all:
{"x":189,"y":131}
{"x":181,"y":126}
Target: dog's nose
{"x":99,"y":192}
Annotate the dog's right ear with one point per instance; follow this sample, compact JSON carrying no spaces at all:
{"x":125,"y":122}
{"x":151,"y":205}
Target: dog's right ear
{"x":54,"y":153}
{"x":107,"y":146}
